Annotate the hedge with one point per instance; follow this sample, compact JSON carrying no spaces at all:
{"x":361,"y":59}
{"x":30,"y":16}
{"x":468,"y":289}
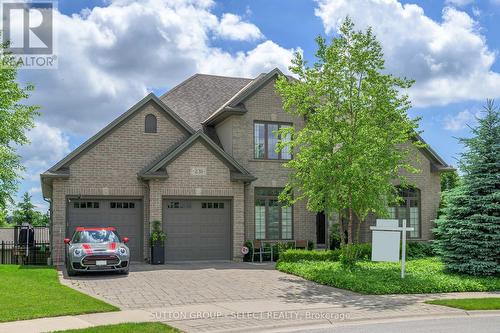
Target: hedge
{"x":413,"y":250}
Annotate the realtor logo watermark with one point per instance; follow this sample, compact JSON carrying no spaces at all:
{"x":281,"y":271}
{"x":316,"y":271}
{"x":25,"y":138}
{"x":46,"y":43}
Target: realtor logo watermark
{"x":28,"y":30}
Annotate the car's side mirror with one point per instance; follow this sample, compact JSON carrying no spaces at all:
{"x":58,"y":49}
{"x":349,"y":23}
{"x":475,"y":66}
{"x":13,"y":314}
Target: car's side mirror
{"x":67,"y":240}
{"x":125,"y":240}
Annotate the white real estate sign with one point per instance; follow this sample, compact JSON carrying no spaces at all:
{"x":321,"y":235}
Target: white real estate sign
{"x":386,"y":240}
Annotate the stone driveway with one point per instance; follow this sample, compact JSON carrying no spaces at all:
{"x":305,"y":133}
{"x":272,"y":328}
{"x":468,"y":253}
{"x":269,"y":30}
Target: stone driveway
{"x":218,"y":296}
{"x":169,"y":285}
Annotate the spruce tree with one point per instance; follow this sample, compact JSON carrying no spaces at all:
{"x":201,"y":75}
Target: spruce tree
{"x":468,"y":233}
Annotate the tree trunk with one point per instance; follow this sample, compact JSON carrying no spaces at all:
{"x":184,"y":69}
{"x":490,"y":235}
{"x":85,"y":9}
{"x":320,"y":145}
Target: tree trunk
{"x":351,"y":218}
{"x":358,"y":228}
{"x":341,"y":229}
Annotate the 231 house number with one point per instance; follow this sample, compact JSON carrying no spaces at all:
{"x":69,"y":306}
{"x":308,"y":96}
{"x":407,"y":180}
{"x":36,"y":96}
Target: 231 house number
{"x":198,"y":171}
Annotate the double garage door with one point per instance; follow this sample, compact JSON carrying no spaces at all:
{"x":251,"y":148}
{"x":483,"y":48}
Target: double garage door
{"x":197,"y":229}
{"x":124,"y":214}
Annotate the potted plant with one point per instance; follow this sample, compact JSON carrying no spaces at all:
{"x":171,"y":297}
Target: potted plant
{"x":157,"y":242}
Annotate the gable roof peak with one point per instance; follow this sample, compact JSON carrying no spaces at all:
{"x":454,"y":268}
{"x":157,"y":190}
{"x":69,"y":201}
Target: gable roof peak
{"x":115,"y":123}
{"x":176,"y":150}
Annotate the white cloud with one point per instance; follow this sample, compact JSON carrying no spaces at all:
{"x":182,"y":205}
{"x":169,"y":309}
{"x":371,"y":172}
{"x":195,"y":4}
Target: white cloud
{"x":449,"y":60}
{"x":232,"y":27}
{"x":48,"y":145}
{"x":476,"y":11}
{"x":459,"y":121}
{"x":263,"y":58}
{"x":459,"y":3}
{"x":110,"y":57}
{"x":34,"y":190}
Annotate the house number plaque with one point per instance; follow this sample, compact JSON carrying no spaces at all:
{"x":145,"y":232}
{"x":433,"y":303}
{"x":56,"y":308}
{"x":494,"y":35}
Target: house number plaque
{"x":198,"y":171}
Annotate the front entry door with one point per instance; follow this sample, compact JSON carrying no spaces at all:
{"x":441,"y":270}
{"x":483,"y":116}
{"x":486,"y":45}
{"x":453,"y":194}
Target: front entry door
{"x":321,"y":228}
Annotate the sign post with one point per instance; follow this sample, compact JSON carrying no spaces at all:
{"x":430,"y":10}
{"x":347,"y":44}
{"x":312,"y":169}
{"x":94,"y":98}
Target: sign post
{"x":387,"y":237}
{"x":403,"y":250}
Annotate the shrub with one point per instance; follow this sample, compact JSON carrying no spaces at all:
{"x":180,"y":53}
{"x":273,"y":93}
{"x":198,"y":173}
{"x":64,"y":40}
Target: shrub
{"x":419,"y":250}
{"x":305,"y":255}
{"x":158,"y":237}
{"x":364,"y":251}
{"x":351,"y":253}
{"x":335,"y":241}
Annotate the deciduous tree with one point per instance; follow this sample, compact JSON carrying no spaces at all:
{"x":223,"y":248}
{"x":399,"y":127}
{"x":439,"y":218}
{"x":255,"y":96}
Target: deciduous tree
{"x":15,"y":119}
{"x":357,"y":134}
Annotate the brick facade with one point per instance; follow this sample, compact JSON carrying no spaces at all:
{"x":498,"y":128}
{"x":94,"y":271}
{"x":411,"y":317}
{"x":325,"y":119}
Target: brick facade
{"x":265,"y":105}
{"x":110,"y":167}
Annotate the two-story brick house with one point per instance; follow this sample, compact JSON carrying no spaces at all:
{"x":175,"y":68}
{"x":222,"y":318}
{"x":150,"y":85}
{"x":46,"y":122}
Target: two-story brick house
{"x":201,"y":159}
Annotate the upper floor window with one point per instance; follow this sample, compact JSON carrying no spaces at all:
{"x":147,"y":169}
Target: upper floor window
{"x":150,"y":123}
{"x":408,"y":209}
{"x":266,"y":139}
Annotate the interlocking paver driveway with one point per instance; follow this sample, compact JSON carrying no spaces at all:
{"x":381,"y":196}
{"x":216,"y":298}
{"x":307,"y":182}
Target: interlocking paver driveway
{"x":150,"y":286}
{"x":229,"y":288}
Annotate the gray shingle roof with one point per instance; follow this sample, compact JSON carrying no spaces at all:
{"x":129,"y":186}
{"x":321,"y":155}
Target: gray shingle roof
{"x":195,"y":99}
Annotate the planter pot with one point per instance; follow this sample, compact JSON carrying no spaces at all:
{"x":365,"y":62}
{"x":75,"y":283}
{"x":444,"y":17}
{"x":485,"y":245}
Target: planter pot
{"x":157,"y":254}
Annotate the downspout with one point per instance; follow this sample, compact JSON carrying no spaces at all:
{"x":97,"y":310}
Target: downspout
{"x":50,"y":227}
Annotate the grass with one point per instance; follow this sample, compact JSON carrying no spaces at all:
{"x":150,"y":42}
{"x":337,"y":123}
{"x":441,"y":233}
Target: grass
{"x":422,"y":276}
{"x":129,"y":327}
{"x":487,"y":303}
{"x":29,"y":292}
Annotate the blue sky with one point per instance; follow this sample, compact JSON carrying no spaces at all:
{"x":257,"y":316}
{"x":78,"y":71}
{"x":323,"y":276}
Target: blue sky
{"x":111,"y":53}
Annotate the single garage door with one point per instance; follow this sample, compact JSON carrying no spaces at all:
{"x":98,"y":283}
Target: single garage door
{"x":197,"y":229}
{"x":124,"y":214}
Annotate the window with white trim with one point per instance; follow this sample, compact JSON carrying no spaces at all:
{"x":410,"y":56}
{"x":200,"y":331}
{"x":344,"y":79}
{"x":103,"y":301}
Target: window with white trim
{"x":272,"y":219}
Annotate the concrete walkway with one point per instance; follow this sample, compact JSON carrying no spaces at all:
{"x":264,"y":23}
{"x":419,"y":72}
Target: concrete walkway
{"x":225,"y":321}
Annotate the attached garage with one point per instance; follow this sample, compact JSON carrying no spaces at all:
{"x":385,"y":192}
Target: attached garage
{"x":197,"y":229}
{"x":124,"y":214}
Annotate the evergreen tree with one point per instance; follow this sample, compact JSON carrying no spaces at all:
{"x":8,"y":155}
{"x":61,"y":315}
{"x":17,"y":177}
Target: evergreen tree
{"x":468,"y":233}
{"x":26,"y":212}
{"x":449,"y":180}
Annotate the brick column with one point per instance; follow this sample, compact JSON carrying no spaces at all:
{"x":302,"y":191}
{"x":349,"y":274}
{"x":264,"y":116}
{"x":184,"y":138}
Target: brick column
{"x":238,"y":220}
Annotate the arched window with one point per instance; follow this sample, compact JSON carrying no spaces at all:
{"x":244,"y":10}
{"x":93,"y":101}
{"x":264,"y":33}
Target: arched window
{"x":150,"y":123}
{"x":408,"y":209}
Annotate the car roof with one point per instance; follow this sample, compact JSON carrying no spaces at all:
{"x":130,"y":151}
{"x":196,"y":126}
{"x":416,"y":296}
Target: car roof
{"x":94,"y":228}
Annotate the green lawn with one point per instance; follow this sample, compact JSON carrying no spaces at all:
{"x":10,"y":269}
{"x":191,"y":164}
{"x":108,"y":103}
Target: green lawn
{"x":487,"y":303}
{"x":422,"y":276}
{"x":130,"y":327}
{"x":28,"y":292}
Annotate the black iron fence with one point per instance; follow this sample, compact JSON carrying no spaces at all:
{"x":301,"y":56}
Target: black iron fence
{"x":33,"y":254}
{"x":39,"y":234}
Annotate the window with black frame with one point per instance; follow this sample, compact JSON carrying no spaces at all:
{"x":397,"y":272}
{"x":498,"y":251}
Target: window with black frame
{"x":408,"y":209}
{"x":273,"y":221}
{"x":266,"y":139}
